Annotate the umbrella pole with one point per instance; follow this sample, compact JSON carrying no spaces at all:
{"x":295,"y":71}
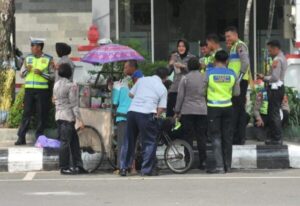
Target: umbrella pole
{"x":97,"y":79}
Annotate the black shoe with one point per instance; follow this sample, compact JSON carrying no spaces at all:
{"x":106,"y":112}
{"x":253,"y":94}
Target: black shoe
{"x":123,"y":172}
{"x":202,"y":166}
{"x":216,"y":171}
{"x":80,"y":170}
{"x":66,"y":171}
{"x":20,"y":141}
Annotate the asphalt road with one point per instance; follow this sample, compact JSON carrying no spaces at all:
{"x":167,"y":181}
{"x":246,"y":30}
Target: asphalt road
{"x":259,"y":187}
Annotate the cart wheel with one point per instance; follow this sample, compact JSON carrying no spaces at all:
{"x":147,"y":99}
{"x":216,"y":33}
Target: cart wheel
{"x":92,"y":148}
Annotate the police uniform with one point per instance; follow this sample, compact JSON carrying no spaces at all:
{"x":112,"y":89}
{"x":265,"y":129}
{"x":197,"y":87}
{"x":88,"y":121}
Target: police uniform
{"x":275,"y":81}
{"x":221,"y":86}
{"x":239,"y":62}
{"x":211,"y":58}
{"x":260,"y":111}
{"x":37,"y":95}
{"x":204,"y":61}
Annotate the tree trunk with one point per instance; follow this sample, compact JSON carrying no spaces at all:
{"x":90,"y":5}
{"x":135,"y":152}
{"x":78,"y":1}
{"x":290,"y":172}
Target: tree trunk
{"x":7,"y":10}
{"x":247,"y":22}
{"x":7,"y":73}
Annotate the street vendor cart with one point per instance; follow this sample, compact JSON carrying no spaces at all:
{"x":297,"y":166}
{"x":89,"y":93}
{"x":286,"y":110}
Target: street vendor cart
{"x":94,"y":74}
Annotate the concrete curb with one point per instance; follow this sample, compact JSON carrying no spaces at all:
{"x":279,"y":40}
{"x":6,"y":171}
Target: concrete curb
{"x":10,"y":134}
{"x":25,"y":159}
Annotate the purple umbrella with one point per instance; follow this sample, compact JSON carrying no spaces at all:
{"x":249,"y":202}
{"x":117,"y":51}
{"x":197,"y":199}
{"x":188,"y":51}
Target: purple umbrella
{"x":111,"y":53}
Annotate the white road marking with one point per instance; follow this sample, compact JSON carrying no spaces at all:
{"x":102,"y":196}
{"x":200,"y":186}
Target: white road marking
{"x":166,"y":178}
{"x":160,"y":178}
{"x":62,"y":193}
{"x":29,"y":176}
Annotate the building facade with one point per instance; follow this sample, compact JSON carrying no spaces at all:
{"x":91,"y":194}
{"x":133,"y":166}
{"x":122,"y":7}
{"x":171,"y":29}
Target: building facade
{"x":157,"y":24}
{"x":55,"y":20}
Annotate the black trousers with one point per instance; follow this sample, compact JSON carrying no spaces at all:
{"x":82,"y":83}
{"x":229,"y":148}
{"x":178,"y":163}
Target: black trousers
{"x":195,"y":126}
{"x":69,"y":153}
{"x":285,"y":121}
{"x":275,"y":98}
{"x":262,"y":133}
{"x":172,"y":98}
{"x":239,"y":120}
{"x":220,"y":133}
{"x":35,"y":100}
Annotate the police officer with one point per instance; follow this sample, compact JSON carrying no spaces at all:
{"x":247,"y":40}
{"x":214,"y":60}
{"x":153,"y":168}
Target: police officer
{"x":275,"y":80}
{"x":37,"y":70}
{"x":204,"y":60}
{"x":239,"y":62}
{"x":221,"y":84}
{"x":213,"y":44}
{"x":260,"y":111}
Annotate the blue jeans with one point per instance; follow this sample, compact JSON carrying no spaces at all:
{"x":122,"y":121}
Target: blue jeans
{"x":144,"y":126}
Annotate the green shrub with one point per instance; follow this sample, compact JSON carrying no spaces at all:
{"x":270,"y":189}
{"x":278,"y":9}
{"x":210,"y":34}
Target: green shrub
{"x":137,"y":46}
{"x":294,"y":103}
{"x":148,"y":68}
{"x":16,"y":113}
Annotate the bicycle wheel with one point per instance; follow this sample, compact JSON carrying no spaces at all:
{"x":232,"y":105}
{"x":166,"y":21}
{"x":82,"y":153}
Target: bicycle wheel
{"x":92,"y":148}
{"x":179,"y":156}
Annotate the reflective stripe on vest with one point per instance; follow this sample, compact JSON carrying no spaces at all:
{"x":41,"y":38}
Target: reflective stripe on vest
{"x":220,"y":85}
{"x":235,"y":61}
{"x":32,"y":80}
{"x":265,"y":104}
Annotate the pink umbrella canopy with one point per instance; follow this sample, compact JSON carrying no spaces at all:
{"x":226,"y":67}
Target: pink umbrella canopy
{"x":111,"y":53}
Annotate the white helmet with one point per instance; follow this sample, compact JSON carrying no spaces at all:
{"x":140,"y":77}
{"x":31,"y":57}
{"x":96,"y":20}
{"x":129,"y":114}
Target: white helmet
{"x":105,"y":41}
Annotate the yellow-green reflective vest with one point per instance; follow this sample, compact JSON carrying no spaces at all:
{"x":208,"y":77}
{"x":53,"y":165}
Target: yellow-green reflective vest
{"x":220,"y":85}
{"x":269,"y":64}
{"x":265,"y":104}
{"x":32,"y":80}
{"x":235,"y":61}
{"x":204,"y":60}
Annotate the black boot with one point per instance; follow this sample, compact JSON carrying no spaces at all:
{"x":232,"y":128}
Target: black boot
{"x":123,"y":172}
{"x":66,"y":171}
{"x":20,"y":141}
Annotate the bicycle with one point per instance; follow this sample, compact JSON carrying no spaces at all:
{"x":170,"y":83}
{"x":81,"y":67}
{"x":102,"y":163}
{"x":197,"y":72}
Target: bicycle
{"x":178,"y":154}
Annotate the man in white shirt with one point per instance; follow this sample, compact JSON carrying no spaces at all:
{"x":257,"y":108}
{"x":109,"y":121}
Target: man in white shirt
{"x":149,"y":100}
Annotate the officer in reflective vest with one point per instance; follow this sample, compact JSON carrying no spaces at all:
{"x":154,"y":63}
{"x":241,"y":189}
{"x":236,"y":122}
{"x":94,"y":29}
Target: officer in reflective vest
{"x":37,"y":70}
{"x":213,"y":44}
{"x":205,"y":59}
{"x":221,"y":84}
{"x":260,"y":111}
{"x":239,"y":62}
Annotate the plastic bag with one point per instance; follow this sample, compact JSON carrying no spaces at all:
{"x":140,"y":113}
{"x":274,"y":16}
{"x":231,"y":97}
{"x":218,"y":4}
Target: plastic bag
{"x":45,"y":142}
